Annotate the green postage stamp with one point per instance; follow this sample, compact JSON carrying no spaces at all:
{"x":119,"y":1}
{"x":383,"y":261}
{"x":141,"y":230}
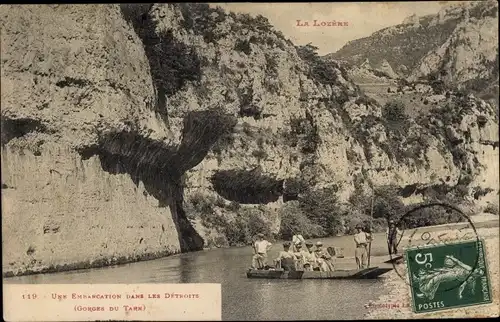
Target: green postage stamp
{"x":448,"y":276}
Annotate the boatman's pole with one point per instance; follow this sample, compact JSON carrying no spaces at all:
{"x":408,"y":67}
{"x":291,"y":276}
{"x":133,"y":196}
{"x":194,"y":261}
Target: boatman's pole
{"x":370,"y":243}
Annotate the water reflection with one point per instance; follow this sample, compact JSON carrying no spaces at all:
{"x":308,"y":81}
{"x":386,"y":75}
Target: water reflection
{"x":185,"y":265}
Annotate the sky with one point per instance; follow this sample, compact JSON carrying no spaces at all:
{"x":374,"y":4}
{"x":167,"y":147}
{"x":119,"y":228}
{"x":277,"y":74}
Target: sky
{"x":362,"y":19}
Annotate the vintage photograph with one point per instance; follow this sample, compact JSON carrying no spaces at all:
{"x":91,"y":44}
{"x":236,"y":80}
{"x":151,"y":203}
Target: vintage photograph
{"x":317,"y":160}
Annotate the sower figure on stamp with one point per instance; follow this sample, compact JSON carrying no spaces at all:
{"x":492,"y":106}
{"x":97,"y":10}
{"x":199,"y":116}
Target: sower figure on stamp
{"x":454,"y":270}
{"x":361,"y":239}
{"x":392,"y":233}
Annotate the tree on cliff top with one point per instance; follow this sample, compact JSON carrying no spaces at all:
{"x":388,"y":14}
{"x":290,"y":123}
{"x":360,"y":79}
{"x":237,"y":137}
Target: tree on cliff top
{"x":319,"y":70}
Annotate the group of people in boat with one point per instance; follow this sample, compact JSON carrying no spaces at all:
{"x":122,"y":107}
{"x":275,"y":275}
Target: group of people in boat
{"x":294,"y":257}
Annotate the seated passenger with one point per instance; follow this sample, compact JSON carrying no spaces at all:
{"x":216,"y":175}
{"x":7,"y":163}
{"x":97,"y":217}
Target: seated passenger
{"x":300,"y":256}
{"x":309,"y":258}
{"x":323,"y":258}
{"x":286,"y":258}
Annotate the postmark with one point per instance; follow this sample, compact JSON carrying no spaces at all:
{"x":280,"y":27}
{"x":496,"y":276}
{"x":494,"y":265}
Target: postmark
{"x":425,"y":236}
{"x":448,"y":276}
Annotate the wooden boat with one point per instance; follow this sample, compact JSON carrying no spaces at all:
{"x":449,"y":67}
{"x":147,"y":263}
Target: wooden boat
{"x":394,"y":260}
{"x":366,"y":273}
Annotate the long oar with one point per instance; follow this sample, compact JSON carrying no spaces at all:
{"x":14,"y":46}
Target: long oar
{"x":369,"y":251}
{"x":370,"y":228}
{"x":370,"y":231}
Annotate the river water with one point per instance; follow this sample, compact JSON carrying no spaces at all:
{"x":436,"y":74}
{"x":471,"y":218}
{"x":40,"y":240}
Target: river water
{"x":255,"y":299}
{"x":242,"y":298}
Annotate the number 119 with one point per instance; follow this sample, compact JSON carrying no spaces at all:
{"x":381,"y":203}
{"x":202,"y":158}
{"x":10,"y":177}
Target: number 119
{"x":29,"y":296}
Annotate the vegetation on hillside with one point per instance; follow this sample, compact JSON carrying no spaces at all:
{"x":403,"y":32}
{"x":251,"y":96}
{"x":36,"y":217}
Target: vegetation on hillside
{"x":238,"y":210}
{"x":204,"y":20}
{"x":320,"y":70}
{"x":172,"y":63}
{"x":303,"y":134}
{"x":399,"y":143}
{"x":440,"y":120}
{"x":486,"y":88}
{"x":318,"y":213}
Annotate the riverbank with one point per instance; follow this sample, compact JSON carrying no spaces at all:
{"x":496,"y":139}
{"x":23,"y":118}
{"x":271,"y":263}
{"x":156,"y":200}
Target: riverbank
{"x":263,"y":298}
{"x":86,"y":264}
{"x":395,"y":303}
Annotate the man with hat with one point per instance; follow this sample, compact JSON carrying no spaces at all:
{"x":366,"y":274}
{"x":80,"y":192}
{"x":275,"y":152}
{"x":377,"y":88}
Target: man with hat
{"x":260,"y":247}
{"x":286,"y":258}
{"x":392,"y":233}
{"x":309,"y":257}
{"x":361,"y":239}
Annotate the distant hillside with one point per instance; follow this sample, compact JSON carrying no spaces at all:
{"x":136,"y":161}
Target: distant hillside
{"x":458,"y":45}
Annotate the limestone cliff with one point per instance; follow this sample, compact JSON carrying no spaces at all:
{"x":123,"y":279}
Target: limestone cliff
{"x":386,"y":68}
{"x":469,"y":57}
{"x":366,"y":74}
{"x":71,"y":85}
{"x":138,"y":131}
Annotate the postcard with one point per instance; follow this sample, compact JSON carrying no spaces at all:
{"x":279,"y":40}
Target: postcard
{"x":250,"y":161}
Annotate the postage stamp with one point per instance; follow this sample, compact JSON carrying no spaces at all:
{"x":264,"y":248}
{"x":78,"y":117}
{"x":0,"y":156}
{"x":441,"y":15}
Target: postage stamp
{"x":448,"y":276}
{"x":425,"y":236}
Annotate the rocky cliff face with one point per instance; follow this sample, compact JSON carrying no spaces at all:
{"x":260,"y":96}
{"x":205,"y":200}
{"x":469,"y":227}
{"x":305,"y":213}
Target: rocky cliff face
{"x":69,"y":84}
{"x":460,"y":42}
{"x":297,"y":118}
{"x":134,"y":130}
{"x":366,"y":73}
{"x":469,"y":56}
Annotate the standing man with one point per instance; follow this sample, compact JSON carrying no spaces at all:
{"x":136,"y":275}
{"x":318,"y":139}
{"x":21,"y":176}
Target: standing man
{"x":392,"y":234}
{"x":260,"y":247}
{"x":361,"y":239}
